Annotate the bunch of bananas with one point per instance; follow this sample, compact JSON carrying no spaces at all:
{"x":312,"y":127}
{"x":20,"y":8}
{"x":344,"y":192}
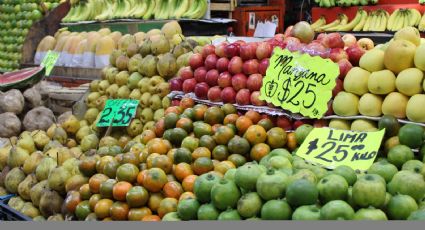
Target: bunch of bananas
{"x":345,"y":3}
{"x":377,"y":21}
{"x":100,"y":10}
{"x":401,"y":18}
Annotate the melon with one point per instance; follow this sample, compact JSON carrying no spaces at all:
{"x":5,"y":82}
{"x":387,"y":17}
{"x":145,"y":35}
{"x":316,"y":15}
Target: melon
{"x":105,"y":46}
{"x":21,"y":78}
{"x":116,"y":36}
{"x":47,"y":43}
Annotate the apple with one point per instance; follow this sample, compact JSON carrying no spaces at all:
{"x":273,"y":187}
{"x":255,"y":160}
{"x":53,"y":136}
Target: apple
{"x":176,"y":84}
{"x":355,"y":52}
{"x":349,"y":40}
{"x":333,"y":40}
{"x":277,"y":43}
{"x":211,"y":61}
{"x":240,"y":42}
{"x":321,"y":36}
{"x":255,"y":99}
{"x":222,"y":64}
{"x":320,"y":123}
{"x":185,"y":73}
{"x":284,"y":123}
{"x":293,"y":44}
{"x":207,"y":50}
{"x":235,"y":65}
{"x":219,"y":49}
{"x":196,"y":61}
{"x":250,"y":66}
{"x":288,"y":31}
{"x":243,"y":97}
{"x":316,"y":48}
{"x":254,"y":82}
{"x":224,"y":80}
{"x":232,"y":50}
{"x":175,"y":102}
{"x":344,"y":67}
{"x":264,"y":50}
{"x":212,"y":77}
{"x":264,"y":64}
{"x":228,"y":95}
{"x":338,"y":54}
{"x":248,"y":51}
{"x":338,"y":88}
{"x":279,"y":37}
{"x":200,"y":74}
{"x":189,"y":85}
{"x":214,"y":94}
{"x":201,"y":90}
{"x":239,"y":81}
{"x":297,"y":124}
{"x":366,"y":43}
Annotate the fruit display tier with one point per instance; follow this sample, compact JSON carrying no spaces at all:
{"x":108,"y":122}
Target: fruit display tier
{"x":203,"y":27}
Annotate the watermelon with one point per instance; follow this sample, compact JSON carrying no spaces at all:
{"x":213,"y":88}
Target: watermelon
{"x":21,"y":78}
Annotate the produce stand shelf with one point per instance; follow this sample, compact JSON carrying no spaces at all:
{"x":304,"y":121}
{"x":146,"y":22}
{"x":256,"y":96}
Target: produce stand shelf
{"x":9,"y":214}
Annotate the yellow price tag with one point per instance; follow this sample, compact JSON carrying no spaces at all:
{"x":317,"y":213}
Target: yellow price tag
{"x":331,"y":148}
{"x":299,"y":83}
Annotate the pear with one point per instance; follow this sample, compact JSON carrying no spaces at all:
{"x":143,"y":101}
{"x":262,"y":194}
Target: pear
{"x":39,"y":218}
{"x":71,"y":143}
{"x":26,"y":142}
{"x":122,"y":78}
{"x":145,"y":99}
{"x":16,"y":203}
{"x":31,"y":162}
{"x":91,"y":115}
{"x":71,"y":124}
{"x":112,"y":90}
{"x":82,"y":132}
{"x":135,"y":94}
{"x":148,"y":66}
{"x":158,"y":114}
{"x":162,"y":89}
{"x":149,"y":125}
{"x":60,"y":135}
{"x":160,"y":44}
{"x":50,"y":203}
{"x":135,"y":127}
{"x":103,"y":85}
{"x":4,"y":155}
{"x":13,"y":179}
{"x":92,"y":98}
{"x":114,"y":55}
{"x":3,"y":175}
{"x":57,"y":217}
{"x":171,"y":28}
{"x":24,"y":188}
{"x":146,"y":115}
{"x":71,"y":165}
{"x":83,"y":123}
{"x":133,"y":80}
{"x":122,"y":62}
{"x":3,"y":191}
{"x":108,"y":141}
{"x":90,"y":141}
{"x":75,"y":182}
{"x":29,"y":210}
{"x":145,"y":48}
{"x":179,"y":50}
{"x":110,"y":75}
{"x":54,"y":144}
{"x":143,"y":84}
{"x":166,"y":102}
{"x":133,"y":63}
{"x":123,"y":92}
{"x":37,"y":190}
{"x":76,"y":151}
{"x":41,"y":139}
{"x":51,"y":130}
{"x":167,"y":65}
{"x":155,"y":102}
{"x":183,"y":60}
{"x":132,"y":49}
{"x":100,"y":103}
{"x":63,"y":154}
{"x":17,"y":157}
{"x":43,"y":169}
{"x":57,"y":179}
{"x":87,"y":166}
{"x":94,"y":85}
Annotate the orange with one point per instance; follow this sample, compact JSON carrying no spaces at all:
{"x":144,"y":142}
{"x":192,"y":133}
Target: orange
{"x":93,"y":201}
{"x":215,"y":127}
{"x":151,"y":218}
{"x":291,"y":141}
{"x":157,"y":145}
{"x":202,"y":165}
{"x":237,"y":159}
{"x":146,"y":136}
{"x":173,"y":109}
{"x":154,"y":179}
{"x":223,"y":166}
{"x":188,"y":182}
{"x":120,"y":189}
{"x":85,"y":191}
{"x":136,"y":214}
{"x":141,"y":176}
{"x":242,"y":124}
{"x":185,"y":123}
{"x":259,"y":151}
{"x":201,"y":152}
{"x":171,"y":177}
{"x":214,"y":115}
{"x":102,"y":207}
{"x":160,"y":161}
{"x":223,"y":135}
{"x":266,"y":123}
{"x":187,"y":102}
{"x":254,"y":116}
{"x":159,"y":128}
{"x":143,"y":155}
{"x":167,"y":205}
{"x":255,"y":134}
{"x":182,"y":170}
{"x":172,"y":189}
{"x":220,"y":153}
{"x":199,"y":111}
{"x":119,"y":211}
{"x":230,"y":119}
{"x":276,"y":137}
{"x":154,"y":200}
{"x":95,"y":181}
{"x":187,"y":195}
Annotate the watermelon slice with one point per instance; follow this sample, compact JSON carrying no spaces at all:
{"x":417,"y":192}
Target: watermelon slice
{"x":21,"y":78}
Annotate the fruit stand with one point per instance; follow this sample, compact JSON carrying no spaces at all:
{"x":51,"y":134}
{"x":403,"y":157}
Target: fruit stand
{"x":129,"y":111}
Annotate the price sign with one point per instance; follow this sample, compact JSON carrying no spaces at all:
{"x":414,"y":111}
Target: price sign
{"x":49,"y":61}
{"x":299,"y":83}
{"x":118,"y":113}
{"x":331,"y":148}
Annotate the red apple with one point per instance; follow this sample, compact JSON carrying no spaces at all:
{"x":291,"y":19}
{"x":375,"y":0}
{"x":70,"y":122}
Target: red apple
{"x":189,"y":85}
{"x":254,"y":82}
{"x":235,"y":65}
{"x":250,"y":66}
{"x":239,"y":81}
{"x":228,"y":95}
{"x":366,"y":43}
{"x":297,"y":124}
{"x":262,"y":68}
{"x":176,"y":84}
{"x":349,"y":40}
{"x":201,"y":90}
{"x":211,"y":61}
{"x":338,"y":88}
{"x":333,"y":40}
{"x":232,"y":50}
{"x":248,"y":51}
{"x":264,"y":50}
{"x":355,"y":52}
{"x":214,"y":94}
{"x":185,"y":73}
{"x":243,"y":97}
{"x":321,"y":36}
{"x":225,"y":80}
{"x":279,"y":37}
{"x":222,"y":64}
{"x":200,"y":74}
{"x":255,"y":99}
{"x":284,"y":123}
{"x":240,"y":42}
{"x":317,"y":49}
{"x":338,"y":54}
{"x":293,"y":44}
{"x":196,"y":61}
{"x":212,"y":77}
{"x":344,"y":67}
{"x":320,"y":123}
{"x":288,"y":31}
{"x":207,"y":50}
{"x":175,"y":102}
{"x":219,"y":49}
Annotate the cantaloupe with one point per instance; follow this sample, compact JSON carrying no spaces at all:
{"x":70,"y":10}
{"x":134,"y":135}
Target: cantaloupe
{"x":116,"y":36}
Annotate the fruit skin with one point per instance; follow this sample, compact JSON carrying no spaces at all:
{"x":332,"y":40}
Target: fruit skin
{"x":400,"y":207}
{"x":413,"y":109}
{"x":229,"y":214}
{"x":356,"y":81}
{"x":370,"y":214}
{"x":369,"y":190}
{"x":332,"y":187}
{"x":407,"y":183}
{"x":187,"y":209}
{"x":247,"y":175}
{"x":207,"y":212}
{"x":225,"y":194}
{"x":399,"y":55}
{"x":271,"y":184}
{"x":381,"y":82}
{"x":345,"y":104}
{"x":372,"y":60}
{"x":336,"y":210}
{"x":249,"y":205}
{"x":384,"y":169}
{"x":411,"y":135}
{"x":400,"y":154}
{"x":203,"y":185}
{"x":298,"y":187}
{"x":306,"y":212}
{"x":391,"y":125}
{"x":409,"y":81}
{"x":395,"y":98}
{"x":276,"y":210}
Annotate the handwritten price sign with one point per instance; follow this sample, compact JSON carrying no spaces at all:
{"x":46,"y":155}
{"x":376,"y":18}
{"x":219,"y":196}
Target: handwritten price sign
{"x":118,"y":113}
{"x":299,"y":83}
{"x":49,"y":61}
{"x":331,"y":148}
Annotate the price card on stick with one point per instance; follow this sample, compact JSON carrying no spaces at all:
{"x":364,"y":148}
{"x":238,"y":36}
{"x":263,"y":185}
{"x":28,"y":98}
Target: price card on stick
{"x":49,"y":61}
{"x":299,"y":83}
{"x":331,"y":148}
{"x":118,"y":112}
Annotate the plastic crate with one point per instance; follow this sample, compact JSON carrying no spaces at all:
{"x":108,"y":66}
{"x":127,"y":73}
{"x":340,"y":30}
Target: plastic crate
{"x":9,"y":214}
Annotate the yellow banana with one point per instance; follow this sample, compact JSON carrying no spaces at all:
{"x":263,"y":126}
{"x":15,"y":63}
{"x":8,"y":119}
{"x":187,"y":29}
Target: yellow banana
{"x":350,"y":26}
{"x":421,"y":26}
{"x":318,"y":23}
{"x":332,"y":24}
{"x":415,"y":17}
{"x":368,"y":22}
{"x":391,"y":20}
{"x":362,"y":22}
{"x":343,"y":21}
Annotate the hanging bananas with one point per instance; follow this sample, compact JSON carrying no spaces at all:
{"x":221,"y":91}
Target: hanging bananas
{"x":345,"y":3}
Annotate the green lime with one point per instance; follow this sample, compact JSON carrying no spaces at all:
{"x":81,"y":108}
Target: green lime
{"x":306,"y":188}
{"x":306,"y":212}
{"x":171,"y":216}
{"x":383,"y":168}
{"x":302,"y":132}
{"x":370,"y":214}
{"x":336,"y":210}
{"x":332,"y":187}
{"x":249,"y":205}
{"x":229,"y":214}
{"x":411,"y":135}
{"x":207,"y":212}
{"x":400,"y":154}
{"x":400,"y":207}
{"x":369,"y":190}
{"x":413,"y":165}
{"x":276,"y":210}
{"x":407,"y":183}
{"x":347,"y":172}
{"x":391,"y":125}
{"x":417,"y":215}
{"x":187,"y":209}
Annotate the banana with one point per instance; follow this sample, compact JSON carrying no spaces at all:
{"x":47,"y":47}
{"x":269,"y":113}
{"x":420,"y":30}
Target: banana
{"x":362,"y":22}
{"x":336,"y":22}
{"x":356,"y":20}
{"x":421,"y":26}
{"x":367,"y":23}
{"x":391,"y":20}
{"x":157,"y":12}
{"x":406,"y":19}
{"x":182,"y":8}
{"x":202,"y":9}
{"x":150,"y":11}
{"x":415,"y":17}
{"x":398,"y":21}
{"x":343,"y":21}
{"x":318,"y":23}
{"x":141,"y":9}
